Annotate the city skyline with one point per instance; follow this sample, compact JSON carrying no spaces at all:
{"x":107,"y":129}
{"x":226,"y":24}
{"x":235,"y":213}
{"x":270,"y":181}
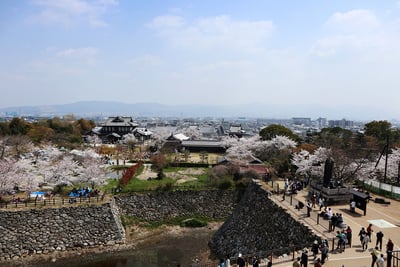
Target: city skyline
{"x":340,"y":56}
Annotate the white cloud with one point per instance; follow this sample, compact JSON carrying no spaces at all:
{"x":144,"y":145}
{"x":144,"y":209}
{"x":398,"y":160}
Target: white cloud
{"x":359,"y":20}
{"x":213,"y":32}
{"x":69,"y":12}
{"x":147,"y":60}
{"x":84,"y":52}
{"x":166,"y":22}
{"x":357,"y":31}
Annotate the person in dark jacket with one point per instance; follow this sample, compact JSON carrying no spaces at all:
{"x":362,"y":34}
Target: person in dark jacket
{"x":379,"y":237}
{"x":240,"y":261}
{"x":304,"y":258}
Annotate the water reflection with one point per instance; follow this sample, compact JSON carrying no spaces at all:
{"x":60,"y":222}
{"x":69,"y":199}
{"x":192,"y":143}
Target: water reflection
{"x":170,"y":252}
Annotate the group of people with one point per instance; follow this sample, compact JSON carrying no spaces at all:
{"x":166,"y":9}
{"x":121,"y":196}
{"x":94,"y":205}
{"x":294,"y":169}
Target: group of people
{"x":365,"y":235}
{"x":241,"y":262}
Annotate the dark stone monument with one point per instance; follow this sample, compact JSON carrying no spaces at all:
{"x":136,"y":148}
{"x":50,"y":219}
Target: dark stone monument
{"x":328,"y":170}
{"x":333,"y":191}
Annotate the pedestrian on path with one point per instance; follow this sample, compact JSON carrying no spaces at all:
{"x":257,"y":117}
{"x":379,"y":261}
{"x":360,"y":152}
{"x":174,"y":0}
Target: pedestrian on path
{"x":389,"y":250}
{"x":315,"y":248}
{"x":256,"y":262}
{"x":380,"y":261}
{"x":308,"y":208}
{"x":333,"y":221}
{"x":324,"y":251}
{"x":227,"y":261}
{"x":379,"y":237}
{"x":361,"y":234}
{"x":304,"y":258}
{"x":370,"y":231}
{"x":365,"y":241}
{"x":374,"y":253}
{"x":349,"y":235}
{"x":240,"y":261}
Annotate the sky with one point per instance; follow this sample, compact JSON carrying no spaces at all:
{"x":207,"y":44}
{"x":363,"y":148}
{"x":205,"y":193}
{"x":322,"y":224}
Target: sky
{"x":333,"y":53}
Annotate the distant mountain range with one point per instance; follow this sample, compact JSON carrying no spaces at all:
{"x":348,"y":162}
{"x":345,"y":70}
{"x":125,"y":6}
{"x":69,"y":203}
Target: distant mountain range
{"x":276,"y":111}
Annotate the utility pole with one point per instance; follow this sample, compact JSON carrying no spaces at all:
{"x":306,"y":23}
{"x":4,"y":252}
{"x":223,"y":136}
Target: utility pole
{"x":386,"y":158}
{"x":386,"y":151}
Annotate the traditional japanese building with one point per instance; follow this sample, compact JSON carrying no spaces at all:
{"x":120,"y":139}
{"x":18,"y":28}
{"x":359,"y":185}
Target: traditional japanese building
{"x":236,"y":130}
{"x":114,"y":128}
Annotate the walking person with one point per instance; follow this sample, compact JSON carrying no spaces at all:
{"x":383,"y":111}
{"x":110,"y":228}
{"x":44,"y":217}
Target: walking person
{"x":374,"y":253}
{"x":380,"y":262}
{"x":324,"y":251}
{"x":349,"y":235}
{"x":309,"y":207}
{"x":315,"y":248}
{"x":240,"y":261}
{"x":256,"y":262}
{"x":370,"y":231}
{"x":333,"y":222}
{"x":304,"y":258}
{"x":361,"y":234}
{"x":341,"y":245}
{"x":365,"y":241}
{"x":379,"y":238}
{"x":389,"y":251}
{"x":227,"y":261}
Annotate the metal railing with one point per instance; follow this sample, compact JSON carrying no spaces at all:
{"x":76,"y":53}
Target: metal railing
{"x":393,"y":258}
{"x":49,"y":202}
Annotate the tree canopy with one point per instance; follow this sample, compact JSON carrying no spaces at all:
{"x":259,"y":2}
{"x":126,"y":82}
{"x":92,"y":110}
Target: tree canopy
{"x":274,"y":130}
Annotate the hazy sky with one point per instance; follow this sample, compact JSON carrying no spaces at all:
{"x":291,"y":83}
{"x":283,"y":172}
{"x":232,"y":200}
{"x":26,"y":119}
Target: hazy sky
{"x":331,"y":53}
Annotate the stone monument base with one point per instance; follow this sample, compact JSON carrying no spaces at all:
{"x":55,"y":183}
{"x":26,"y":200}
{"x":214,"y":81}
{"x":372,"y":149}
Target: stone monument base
{"x":332,"y":195}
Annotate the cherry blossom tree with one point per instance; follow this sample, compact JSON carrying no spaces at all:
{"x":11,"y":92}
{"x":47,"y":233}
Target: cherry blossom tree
{"x":9,"y":176}
{"x":254,"y":146}
{"x":193,"y":132}
{"x":310,"y":164}
{"x":375,"y":169}
{"x":64,"y":170}
{"x":160,"y":134}
{"x":26,"y":170}
{"x":94,"y":140}
{"x":93,"y":171}
{"x":238,"y":149}
{"x":129,"y":140}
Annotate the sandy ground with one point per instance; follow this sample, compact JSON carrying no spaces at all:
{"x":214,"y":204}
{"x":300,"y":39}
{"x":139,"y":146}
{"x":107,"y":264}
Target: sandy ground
{"x":180,"y":176}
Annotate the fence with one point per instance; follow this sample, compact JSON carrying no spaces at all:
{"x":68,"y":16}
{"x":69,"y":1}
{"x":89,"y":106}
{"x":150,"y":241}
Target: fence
{"x":395,"y":259}
{"x":287,"y":255}
{"x":50,"y":202}
{"x":300,"y":210}
{"x":381,"y":188}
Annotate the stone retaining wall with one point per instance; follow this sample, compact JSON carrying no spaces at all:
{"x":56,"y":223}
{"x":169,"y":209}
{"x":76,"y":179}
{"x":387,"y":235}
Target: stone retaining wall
{"x":161,"y":206}
{"x":253,"y":226}
{"x":42,"y":231}
{"x":258,"y":226}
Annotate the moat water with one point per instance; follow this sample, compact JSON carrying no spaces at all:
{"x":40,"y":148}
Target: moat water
{"x":172,"y":251}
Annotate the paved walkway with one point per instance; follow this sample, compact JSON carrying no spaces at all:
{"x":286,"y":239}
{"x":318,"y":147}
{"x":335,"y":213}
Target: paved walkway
{"x":383,"y":217}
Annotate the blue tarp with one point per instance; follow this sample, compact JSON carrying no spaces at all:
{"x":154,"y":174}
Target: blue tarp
{"x":80,"y":192}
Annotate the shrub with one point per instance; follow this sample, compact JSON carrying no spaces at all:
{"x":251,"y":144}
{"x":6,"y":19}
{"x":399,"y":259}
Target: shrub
{"x":193,"y":222}
{"x":225,"y":184}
